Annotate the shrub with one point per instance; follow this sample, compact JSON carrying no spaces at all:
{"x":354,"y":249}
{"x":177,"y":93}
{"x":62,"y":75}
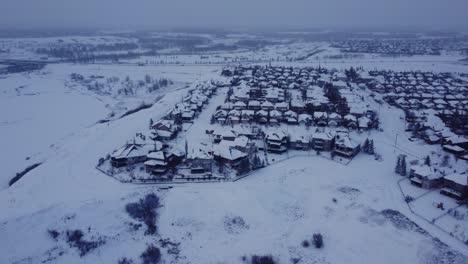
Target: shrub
{"x":262,"y":260}
{"x":19,"y":175}
{"x":305,"y":244}
{"x":75,"y":239}
{"x":408,"y":199}
{"x":145,"y":211}
{"x":125,"y":261}
{"x":53,"y":233}
{"x":318,"y":240}
{"x":151,"y":255}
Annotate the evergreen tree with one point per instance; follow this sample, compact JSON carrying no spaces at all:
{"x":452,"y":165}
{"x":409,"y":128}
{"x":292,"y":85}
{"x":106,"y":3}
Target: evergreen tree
{"x":244,"y":166}
{"x":370,"y":149}
{"x":427,"y":161}
{"x":398,"y":165}
{"x":445,"y":161}
{"x":403,"y":166}
{"x":365,"y":148}
{"x":257,"y":163}
{"x":221,"y":166}
{"x":151,"y":123}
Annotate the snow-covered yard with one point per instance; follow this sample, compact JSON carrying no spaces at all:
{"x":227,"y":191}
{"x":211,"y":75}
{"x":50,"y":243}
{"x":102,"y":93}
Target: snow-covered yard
{"x":426,"y":204}
{"x":272,"y":213}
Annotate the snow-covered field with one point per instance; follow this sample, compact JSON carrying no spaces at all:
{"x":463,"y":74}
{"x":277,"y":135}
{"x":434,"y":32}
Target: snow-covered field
{"x":38,"y":109}
{"x":355,"y":207}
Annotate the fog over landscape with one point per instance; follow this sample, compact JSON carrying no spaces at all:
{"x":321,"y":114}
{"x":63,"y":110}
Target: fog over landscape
{"x":234,"y":132}
{"x":240,"y":13}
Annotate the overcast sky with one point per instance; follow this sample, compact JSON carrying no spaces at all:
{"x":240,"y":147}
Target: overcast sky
{"x":233,"y":13}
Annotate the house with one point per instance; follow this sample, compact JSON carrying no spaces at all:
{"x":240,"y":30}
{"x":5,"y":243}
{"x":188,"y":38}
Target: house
{"x":254,"y":105}
{"x":283,"y":106}
{"x":201,"y":161}
{"x":234,"y":116}
{"x":297,"y":105}
{"x":364,"y":122}
{"x":221,"y":116}
{"x":432,"y":139}
{"x":323,"y":141}
{"x":227,"y":153}
{"x":156,"y":163}
{"x":188,"y":116}
{"x":424,"y":176}
{"x":290,"y":117}
{"x":174,"y":157}
{"x":334,"y":119}
{"x":321,"y":118}
{"x":456,"y":150}
{"x":277,"y":142}
{"x":305,"y":119}
{"x":129,"y":154}
{"x":165,"y":129}
{"x":227,"y":106}
{"x":346,"y":147}
{"x":239,"y":105}
{"x":299,"y":142}
{"x":223,"y":134}
{"x":350,"y":121}
{"x":275,"y":116}
{"x":267,"y":105}
{"x":262,"y":116}
{"x":455,"y":185}
{"x":247,"y":116}
{"x":457,"y":141}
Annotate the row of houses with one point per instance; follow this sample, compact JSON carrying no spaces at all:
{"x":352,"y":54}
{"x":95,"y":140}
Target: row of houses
{"x":400,"y":46}
{"x":273,"y":95}
{"x":274,"y":117}
{"x":338,"y":143}
{"x":191,"y":105}
{"x":156,"y":151}
{"x":155,"y":155}
{"x":186,"y":111}
{"x":444,"y":93}
{"x":259,"y":78}
{"x":433,"y":130}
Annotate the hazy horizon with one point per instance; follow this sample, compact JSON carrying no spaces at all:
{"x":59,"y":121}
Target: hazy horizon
{"x":241,"y":14}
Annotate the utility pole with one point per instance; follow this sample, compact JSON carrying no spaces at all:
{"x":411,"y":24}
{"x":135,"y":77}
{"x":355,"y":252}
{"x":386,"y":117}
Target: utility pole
{"x":396,"y":138}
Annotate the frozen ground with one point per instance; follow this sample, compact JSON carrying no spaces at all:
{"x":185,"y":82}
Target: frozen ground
{"x":269,"y":212}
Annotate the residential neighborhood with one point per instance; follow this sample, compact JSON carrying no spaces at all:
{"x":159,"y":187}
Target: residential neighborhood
{"x":221,"y":132}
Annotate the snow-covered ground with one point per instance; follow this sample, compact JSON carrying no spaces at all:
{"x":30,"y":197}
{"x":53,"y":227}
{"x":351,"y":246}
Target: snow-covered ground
{"x":270,"y":212}
{"x":38,"y":109}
